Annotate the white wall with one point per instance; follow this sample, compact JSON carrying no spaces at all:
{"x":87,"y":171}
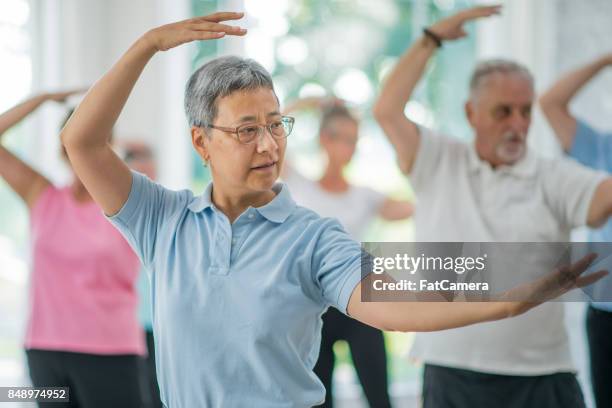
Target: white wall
{"x":583,"y":33}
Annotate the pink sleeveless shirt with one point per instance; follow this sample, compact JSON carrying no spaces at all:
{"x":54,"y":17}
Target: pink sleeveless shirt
{"x":83,"y":295}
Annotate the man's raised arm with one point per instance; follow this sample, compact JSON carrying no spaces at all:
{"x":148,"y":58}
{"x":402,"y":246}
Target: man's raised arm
{"x":555,"y":102}
{"x":403,"y":79}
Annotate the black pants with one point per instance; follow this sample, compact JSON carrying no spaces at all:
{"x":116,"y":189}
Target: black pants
{"x":149,"y":376}
{"x":95,"y":381}
{"x":445,"y":387}
{"x":599,"y":333}
{"x":368,"y":351}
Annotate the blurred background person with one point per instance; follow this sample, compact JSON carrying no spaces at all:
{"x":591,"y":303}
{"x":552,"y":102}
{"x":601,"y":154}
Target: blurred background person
{"x":82,"y":330}
{"x":592,"y":148}
{"x":332,"y":195}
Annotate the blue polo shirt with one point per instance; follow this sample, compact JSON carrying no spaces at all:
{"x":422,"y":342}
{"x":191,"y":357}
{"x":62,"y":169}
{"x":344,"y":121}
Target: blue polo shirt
{"x":594,"y":149}
{"x":237,"y":307}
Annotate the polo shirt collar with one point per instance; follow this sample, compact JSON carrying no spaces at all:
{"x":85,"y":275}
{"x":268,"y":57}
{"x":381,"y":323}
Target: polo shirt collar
{"x":277,"y":210}
{"x":202,"y":202}
{"x":281,"y":206}
{"x":524,"y":168}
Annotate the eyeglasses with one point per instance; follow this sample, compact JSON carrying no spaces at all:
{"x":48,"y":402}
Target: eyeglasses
{"x":250,"y":133}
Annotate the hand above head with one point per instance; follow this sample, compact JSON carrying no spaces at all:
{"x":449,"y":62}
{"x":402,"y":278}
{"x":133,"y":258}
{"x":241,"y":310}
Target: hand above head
{"x":62,"y":96}
{"x":16,"y":114}
{"x":208,"y":27}
{"x":325,"y":102}
{"x":555,"y":102}
{"x":451,"y":28}
{"x":319,"y":103}
{"x":401,"y":82}
{"x":86,"y":136}
{"x":330,"y":102}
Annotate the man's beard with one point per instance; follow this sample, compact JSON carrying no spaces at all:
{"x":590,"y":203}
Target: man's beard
{"x":512,"y":147}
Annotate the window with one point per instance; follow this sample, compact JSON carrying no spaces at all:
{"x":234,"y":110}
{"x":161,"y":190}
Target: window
{"x":15,"y":83}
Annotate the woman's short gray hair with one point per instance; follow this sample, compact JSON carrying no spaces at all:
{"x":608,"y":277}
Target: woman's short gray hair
{"x":496,"y":66}
{"x":218,"y":78}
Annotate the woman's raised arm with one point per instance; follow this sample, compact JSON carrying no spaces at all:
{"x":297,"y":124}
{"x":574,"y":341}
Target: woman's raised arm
{"x":23,"y":179}
{"x":86,"y":136}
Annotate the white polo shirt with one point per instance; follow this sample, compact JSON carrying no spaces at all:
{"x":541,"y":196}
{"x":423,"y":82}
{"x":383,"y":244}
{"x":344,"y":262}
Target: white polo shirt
{"x":460,"y":198}
{"x":355,"y":208}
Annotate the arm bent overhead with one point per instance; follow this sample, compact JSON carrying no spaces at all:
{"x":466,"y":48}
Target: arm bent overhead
{"x":403,"y":79}
{"x":555,"y":102}
{"x":86,"y":136}
{"x":22,"y":178}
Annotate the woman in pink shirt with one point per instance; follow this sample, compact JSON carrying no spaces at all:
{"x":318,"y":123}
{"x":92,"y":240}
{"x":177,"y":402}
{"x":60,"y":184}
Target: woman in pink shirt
{"x":82,"y":330}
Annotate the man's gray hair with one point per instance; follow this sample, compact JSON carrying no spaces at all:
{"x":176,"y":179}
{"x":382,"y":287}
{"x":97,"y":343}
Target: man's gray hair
{"x":218,"y":78}
{"x":496,"y":66}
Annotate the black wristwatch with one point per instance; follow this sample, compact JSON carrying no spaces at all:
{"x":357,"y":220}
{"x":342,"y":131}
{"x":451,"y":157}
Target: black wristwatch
{"x":435,"y":37}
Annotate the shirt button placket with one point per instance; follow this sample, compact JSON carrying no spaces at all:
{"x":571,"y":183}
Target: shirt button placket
{"x":223,"y":248}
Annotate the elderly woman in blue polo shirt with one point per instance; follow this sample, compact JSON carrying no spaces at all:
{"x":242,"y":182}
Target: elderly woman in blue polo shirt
{"x":240,"y":275}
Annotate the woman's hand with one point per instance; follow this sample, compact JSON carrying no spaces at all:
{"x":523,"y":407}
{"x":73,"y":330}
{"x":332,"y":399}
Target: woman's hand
{"x":316,"y":103}
{"x":552,"y":286}
{"x":208,"y":27}
{"x":62,"y":96}
{"x":16,"y":114}
{"x":451,"y":28}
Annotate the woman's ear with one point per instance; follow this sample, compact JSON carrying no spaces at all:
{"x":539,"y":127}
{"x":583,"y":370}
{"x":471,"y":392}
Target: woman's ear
{"x":199,"y":140}
{"x":469,"y":112}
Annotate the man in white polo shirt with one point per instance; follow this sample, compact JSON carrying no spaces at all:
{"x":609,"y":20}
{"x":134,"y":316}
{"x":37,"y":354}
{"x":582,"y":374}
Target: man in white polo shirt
{"x":493,"y":190}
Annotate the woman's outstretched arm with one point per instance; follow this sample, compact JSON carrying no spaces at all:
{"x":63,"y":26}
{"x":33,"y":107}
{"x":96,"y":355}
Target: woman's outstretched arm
{"x":438,"y":314}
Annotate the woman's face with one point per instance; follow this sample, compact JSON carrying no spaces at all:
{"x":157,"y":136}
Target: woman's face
{"x":239,"y":168}
{"x":339,"y":140}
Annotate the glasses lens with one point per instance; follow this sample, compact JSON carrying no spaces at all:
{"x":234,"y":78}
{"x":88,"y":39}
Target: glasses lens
{"x":287,"y":125}
{"x":278,"y":129}
{"x":248,"y":133}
